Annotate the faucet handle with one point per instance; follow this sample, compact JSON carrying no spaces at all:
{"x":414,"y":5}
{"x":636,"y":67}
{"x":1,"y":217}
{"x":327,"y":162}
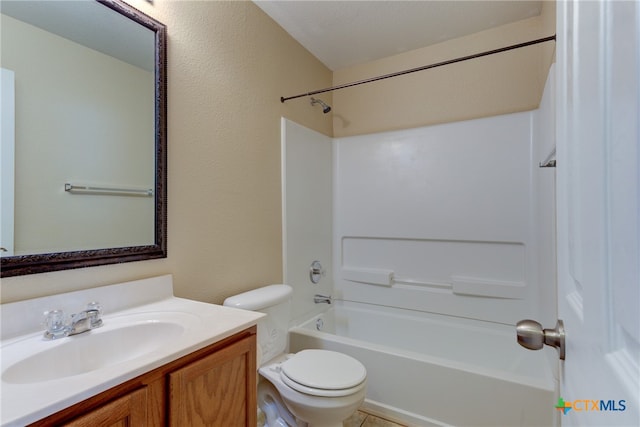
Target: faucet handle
{"x":316,"y":272}
{"x":95,"y":305}
{"x":55,"y":324}
{"x":96,"y":321}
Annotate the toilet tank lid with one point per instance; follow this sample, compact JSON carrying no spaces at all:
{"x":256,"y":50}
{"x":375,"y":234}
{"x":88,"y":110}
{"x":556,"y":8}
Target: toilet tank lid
{"x":260,"y":298}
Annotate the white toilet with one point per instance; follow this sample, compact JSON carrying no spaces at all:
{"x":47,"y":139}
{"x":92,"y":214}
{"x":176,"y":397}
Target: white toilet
{"x":318,"y":387}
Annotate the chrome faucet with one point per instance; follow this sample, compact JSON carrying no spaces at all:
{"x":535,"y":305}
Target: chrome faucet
{"x":57,"y":327}
{"x":84,"y":321}
{"x":321,"y":299}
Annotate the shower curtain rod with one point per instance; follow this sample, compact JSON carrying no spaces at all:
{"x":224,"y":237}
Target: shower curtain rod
{"x":425,"y":67}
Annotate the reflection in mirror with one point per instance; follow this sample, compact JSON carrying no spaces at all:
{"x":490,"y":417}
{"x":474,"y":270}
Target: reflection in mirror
{"x":83,"y":125}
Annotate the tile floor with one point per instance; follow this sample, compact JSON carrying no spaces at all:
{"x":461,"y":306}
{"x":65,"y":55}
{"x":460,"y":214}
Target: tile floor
{"x":359,"y":419}
{"x":363,"y":419}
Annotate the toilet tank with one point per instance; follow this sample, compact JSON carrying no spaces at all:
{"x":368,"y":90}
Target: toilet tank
{"x":275,"y":302}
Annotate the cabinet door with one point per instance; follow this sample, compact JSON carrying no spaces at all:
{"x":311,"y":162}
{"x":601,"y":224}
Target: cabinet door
{"x":129,"y":410}
{"x":217,"y":390}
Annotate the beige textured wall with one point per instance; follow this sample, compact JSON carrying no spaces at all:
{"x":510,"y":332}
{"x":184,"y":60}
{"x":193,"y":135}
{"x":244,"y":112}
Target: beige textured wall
{"x":228,"y":65}
{"x":497,"y":84}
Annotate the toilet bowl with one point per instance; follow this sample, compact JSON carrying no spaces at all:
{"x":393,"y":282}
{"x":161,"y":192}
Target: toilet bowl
{"x":320,"y":388}
{"x":275,"y":411}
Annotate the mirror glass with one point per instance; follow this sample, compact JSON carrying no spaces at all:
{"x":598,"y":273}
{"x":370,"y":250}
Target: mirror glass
{"x":83,"y":127}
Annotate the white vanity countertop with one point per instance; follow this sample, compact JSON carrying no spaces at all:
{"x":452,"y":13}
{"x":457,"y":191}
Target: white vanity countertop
{"x":23,"y":403}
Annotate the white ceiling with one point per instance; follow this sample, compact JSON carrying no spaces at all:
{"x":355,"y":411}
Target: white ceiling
{"x":345,"y":33}
{"x":90,"y":24}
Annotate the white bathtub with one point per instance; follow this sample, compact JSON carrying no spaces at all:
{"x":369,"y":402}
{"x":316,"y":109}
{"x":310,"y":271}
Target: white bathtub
{"x":438,"y":370}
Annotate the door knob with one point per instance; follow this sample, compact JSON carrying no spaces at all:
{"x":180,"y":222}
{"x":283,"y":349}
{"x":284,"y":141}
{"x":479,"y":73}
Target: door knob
{"x":532,"y":336}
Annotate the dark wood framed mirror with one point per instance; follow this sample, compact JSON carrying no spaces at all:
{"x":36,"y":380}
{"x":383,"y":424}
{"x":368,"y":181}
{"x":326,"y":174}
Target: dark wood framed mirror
{"x":22,"y":259}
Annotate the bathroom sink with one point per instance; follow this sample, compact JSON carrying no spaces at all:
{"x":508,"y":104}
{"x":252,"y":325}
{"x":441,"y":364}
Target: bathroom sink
{"x":120,"y":340}
{"x":144,"y":328}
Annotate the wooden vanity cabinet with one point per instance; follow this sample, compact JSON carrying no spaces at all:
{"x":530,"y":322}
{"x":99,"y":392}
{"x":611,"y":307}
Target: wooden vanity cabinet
{"x":214,"y":390}
{"x":214,"y":387}
{"x":128,"y":410}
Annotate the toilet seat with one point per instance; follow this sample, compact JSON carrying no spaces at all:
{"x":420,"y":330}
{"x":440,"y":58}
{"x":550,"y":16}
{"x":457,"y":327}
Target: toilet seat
{"x":323,"y":373}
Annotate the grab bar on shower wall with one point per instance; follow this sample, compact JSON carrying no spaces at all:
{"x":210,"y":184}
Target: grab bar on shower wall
{"x":109,"y":191}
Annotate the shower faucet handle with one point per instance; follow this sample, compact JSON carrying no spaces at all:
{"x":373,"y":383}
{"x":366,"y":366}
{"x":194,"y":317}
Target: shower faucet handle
{"x":316,"y":272}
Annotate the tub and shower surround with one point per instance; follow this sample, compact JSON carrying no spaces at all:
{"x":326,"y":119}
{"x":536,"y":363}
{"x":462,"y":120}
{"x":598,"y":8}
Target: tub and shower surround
{"x":307,"y":215}
{"x":440,"y":219}
{"x":443,"y":238}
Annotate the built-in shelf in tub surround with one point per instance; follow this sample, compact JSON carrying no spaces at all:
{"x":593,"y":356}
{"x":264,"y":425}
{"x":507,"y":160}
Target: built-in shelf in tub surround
{"x":26,"y":398}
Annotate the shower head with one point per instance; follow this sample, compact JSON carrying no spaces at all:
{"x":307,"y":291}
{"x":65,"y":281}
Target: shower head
{"x":325,"y":107}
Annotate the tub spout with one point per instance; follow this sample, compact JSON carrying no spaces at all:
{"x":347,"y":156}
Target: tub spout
{"x":321,"y":299}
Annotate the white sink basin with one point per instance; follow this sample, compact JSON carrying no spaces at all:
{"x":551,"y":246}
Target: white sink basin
{"x":145,"y":327}
{"x":120,"y":339}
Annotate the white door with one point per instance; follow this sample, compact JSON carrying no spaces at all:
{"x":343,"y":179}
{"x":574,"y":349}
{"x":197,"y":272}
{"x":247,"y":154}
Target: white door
{"x":598,"y":55}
